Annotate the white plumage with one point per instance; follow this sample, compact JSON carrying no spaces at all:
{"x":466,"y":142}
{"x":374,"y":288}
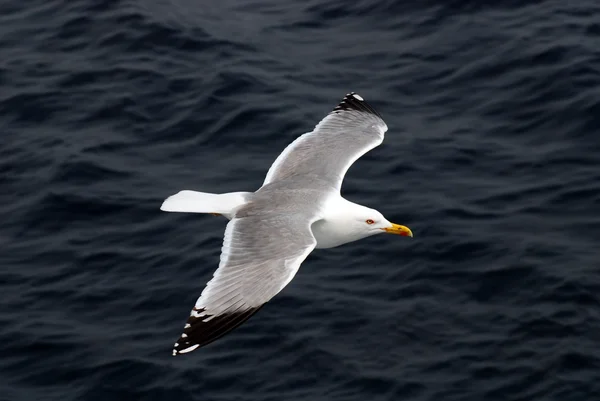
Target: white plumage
{"x":271,"y":231}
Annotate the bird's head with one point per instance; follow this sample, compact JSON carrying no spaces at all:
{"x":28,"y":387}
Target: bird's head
{"x":371,"y":222}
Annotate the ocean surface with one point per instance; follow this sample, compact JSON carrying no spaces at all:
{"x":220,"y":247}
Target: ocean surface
{"x":492,"y":158}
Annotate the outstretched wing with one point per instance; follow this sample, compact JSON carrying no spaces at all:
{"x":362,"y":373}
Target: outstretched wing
{"x":260,"y":256}
{"x":349,"y":131}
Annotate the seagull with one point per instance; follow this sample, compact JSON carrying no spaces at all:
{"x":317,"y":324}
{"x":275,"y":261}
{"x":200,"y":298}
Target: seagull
{"x":271,"y":231}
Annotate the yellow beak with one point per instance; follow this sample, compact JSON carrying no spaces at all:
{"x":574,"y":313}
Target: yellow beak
{"x":398,"y":230}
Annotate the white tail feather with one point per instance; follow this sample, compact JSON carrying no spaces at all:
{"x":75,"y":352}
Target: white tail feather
{"x":203,"y":202}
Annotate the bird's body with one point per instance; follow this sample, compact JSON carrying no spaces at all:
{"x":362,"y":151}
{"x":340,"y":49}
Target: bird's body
{"x":271,"y":231}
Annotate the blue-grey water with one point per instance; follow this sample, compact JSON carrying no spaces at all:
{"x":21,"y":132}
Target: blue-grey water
{"x":492,"y":158}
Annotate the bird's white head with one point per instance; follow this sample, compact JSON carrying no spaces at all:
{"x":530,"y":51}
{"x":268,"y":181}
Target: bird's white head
{"x":348,"y":221}
{"x":370,"y":222}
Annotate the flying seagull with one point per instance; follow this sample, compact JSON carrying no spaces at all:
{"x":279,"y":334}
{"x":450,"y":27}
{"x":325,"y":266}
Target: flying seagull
{"x":271,"y":231}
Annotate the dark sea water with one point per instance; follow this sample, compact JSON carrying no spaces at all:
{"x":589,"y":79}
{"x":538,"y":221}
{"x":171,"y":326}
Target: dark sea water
{"x":492,"y":158}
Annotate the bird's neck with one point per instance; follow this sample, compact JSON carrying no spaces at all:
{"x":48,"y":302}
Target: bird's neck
{"x":336,"y":226}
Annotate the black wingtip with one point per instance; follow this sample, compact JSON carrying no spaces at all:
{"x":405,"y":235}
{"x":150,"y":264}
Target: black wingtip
{"x":353,"y":101}
{"x":200,"y":331}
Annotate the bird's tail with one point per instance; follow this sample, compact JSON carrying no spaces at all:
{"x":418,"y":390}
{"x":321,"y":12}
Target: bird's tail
{"x":202,"y":202}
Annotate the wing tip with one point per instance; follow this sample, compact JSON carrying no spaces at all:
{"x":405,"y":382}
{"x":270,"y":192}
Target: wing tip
{"x":202,"y":329}
{"x":353,"y":101}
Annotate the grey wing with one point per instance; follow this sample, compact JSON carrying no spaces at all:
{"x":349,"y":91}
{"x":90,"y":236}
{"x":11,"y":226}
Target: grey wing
{"x":349,"y":131}
{"x":260,"y":256}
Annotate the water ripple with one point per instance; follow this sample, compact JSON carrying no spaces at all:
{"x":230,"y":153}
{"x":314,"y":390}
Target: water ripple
{"x":491,"y":158}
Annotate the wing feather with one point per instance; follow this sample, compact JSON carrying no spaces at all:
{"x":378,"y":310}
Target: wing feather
{"x":349,"y":131}
{"x":260,"y":256}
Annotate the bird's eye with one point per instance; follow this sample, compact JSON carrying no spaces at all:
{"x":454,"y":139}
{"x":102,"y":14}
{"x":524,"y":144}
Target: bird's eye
{"x":369,"y":221}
